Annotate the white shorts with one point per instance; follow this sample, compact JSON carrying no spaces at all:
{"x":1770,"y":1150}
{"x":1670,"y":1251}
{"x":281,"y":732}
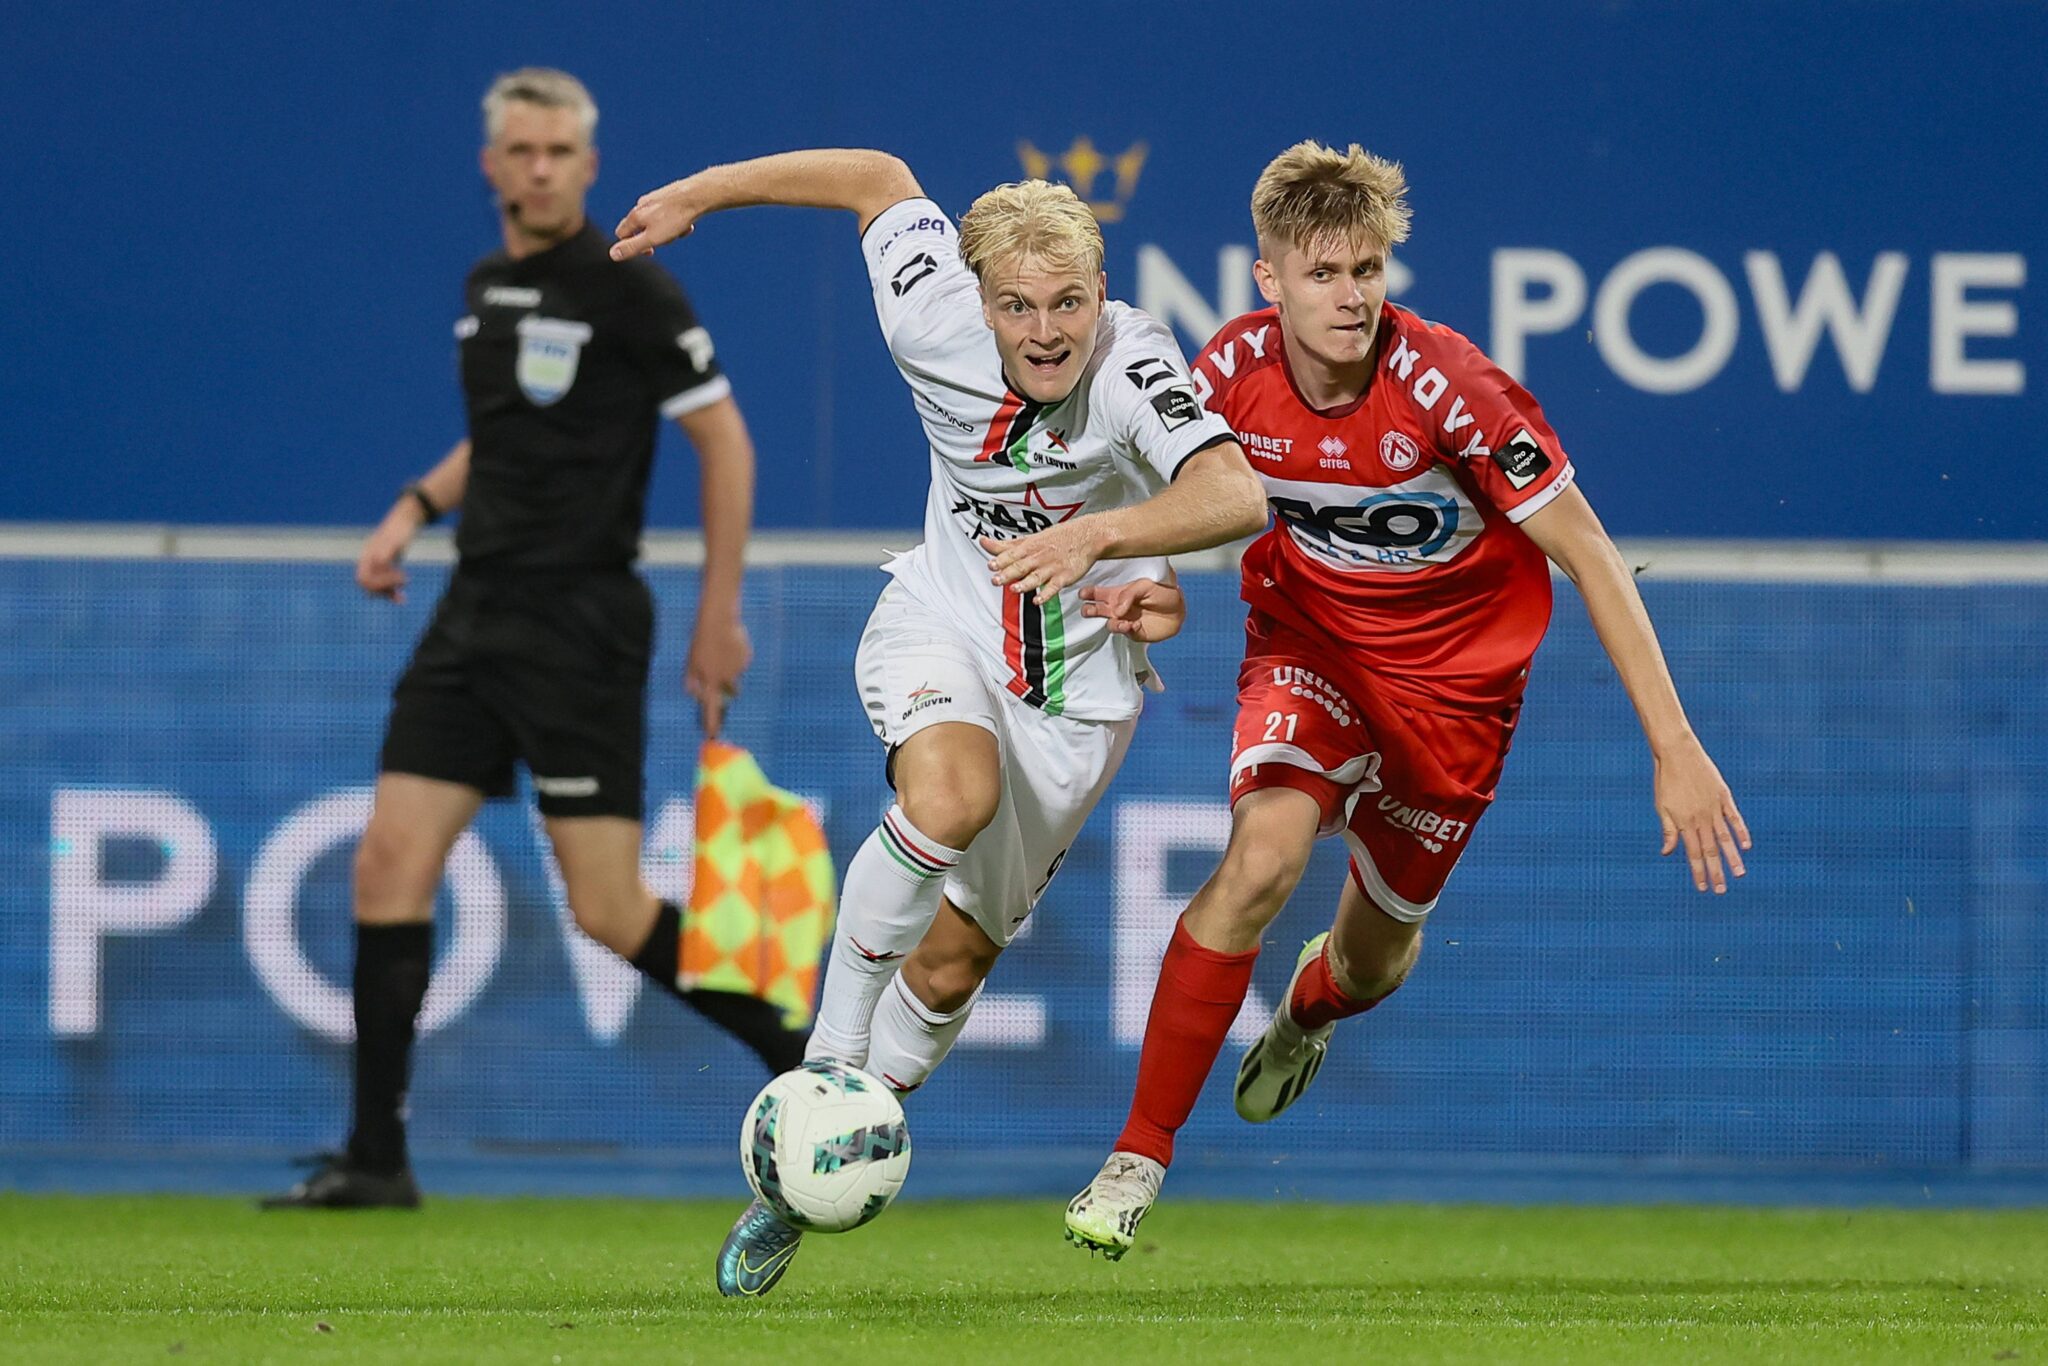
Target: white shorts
{"x":914,"y":670}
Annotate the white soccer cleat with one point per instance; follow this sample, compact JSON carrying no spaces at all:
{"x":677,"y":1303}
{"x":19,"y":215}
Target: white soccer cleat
{"x":1104,"y":1217}
{"x":1282,"y":1062}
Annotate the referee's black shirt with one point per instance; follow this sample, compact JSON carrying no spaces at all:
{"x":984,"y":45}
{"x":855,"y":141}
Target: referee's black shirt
{"x":569,"y":362}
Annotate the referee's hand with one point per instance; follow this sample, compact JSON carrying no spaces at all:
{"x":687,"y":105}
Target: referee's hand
{"x":378,"y":568}
{"x":719,"y":654}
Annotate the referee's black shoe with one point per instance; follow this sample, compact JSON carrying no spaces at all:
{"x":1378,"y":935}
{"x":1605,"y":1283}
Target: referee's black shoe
{"x":337,"y":1183}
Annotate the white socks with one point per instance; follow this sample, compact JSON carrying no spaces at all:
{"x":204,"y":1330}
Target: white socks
{"x":910,"y":1038}
{"x":890,"y":895}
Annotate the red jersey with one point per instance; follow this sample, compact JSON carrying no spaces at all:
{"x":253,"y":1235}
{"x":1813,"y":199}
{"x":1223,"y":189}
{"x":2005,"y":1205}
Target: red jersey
{"x":1394,"y":536}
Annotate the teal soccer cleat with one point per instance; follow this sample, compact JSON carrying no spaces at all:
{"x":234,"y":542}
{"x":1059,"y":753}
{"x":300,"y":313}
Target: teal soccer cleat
{"x":756,"y":1253}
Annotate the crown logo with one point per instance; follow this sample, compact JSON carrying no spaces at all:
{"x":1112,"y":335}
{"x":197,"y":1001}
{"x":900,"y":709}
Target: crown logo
{"x":1081,"y":166}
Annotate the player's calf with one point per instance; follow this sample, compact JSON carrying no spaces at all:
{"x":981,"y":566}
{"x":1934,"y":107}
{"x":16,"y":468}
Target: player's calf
{"x":887,"y":903}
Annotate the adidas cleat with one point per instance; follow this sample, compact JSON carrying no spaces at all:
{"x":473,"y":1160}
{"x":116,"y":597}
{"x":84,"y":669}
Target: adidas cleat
{"x":1282,"y":1062}
{"x":1104,"y":1217}
{"x":756,"y":1253}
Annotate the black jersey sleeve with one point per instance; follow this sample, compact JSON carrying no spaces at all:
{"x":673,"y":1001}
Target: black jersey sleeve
{"x":671,"y":345}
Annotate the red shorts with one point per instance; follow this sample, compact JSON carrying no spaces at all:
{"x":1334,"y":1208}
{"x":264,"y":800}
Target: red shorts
{"x":1405,"y":787}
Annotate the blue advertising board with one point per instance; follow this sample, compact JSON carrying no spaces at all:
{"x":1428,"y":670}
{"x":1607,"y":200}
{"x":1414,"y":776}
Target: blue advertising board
{"x":1773,"y":269}
{"x":184,"y":788}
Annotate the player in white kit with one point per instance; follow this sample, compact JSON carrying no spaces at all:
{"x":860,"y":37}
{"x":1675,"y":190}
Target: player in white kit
{"x":1068,"y":455}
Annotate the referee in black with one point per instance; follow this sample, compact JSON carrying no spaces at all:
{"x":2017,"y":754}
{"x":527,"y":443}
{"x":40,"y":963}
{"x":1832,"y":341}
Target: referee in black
{"x":539,"y":650}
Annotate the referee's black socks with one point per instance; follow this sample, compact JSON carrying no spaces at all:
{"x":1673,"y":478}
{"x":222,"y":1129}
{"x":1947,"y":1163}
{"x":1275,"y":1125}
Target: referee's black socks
{"x":393,"y":963}
{"x":754,"y":1022}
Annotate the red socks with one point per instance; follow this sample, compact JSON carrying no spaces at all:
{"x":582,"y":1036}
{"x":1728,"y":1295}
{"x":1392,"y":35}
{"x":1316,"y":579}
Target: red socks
{"x":1318,"y":1000}
{"x":1199,"y":994}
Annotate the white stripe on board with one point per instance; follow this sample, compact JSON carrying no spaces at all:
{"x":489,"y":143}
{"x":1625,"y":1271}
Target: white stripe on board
{"x":1933,"y":563}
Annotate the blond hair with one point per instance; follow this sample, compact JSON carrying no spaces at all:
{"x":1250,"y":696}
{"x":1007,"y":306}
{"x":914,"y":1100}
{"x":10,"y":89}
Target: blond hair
{"x":1031,"y":218}
{"x":1311,"y":194}
{"x":543,"y":86}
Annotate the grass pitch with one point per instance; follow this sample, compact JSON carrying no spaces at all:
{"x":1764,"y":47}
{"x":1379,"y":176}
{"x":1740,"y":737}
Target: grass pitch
{"x":595,"y":1281}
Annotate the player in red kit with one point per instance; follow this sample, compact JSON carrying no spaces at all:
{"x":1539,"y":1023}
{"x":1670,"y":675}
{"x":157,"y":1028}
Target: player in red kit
{"x":1394,"y":606}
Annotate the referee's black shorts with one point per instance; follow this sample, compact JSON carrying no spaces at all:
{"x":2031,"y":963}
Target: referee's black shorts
{"x":548,"y":668}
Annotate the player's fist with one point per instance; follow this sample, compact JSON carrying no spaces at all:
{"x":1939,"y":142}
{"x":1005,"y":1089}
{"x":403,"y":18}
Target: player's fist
{"x":661,"y":216}
{"x":1144,"y":609}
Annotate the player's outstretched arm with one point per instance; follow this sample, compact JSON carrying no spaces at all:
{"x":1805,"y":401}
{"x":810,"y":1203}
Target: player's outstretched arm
{"x":1693,"y":802}
{"x":865,"y":182}
{"x":1214,"y":499}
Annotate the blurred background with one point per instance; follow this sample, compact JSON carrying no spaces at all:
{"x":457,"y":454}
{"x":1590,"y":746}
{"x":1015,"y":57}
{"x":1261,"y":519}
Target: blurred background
{"x":1772,"y":270}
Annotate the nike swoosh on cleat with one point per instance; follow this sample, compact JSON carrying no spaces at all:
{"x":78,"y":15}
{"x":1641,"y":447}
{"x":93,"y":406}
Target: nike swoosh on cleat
{"x":750,"y":1274}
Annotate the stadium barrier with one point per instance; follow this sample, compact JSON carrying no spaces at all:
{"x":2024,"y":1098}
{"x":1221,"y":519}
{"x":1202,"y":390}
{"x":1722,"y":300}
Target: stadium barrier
{"x":192,"y":727}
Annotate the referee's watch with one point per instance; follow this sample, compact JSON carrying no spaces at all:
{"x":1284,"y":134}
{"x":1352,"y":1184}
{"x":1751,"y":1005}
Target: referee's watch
{"x":427,"y":506}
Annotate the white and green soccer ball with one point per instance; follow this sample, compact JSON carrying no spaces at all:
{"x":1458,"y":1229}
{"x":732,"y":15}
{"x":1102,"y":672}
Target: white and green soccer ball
{"x":825,"y":1147}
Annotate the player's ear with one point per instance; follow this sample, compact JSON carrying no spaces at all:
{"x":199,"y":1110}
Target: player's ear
{"x":988,"y":314}
{"x":1101,"y":287}
{"x":1269,"y":283}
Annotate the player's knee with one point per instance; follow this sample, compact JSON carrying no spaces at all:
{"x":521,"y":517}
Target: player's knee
{"x":946,"y":981}
{"x":1258,"y":877}
{"x":951,"y":808}
{"x":393,"y":876}
{"x":608,"y":915}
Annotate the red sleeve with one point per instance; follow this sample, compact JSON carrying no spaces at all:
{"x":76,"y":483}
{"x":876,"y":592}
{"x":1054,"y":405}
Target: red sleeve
{"x":1492,"y":427}
{"x":1244,"y":344}
{"x":1211,"y":384}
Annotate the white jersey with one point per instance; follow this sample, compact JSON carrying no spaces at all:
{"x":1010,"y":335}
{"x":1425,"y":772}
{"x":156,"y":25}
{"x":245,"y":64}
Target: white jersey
{"x":1005,"y":466}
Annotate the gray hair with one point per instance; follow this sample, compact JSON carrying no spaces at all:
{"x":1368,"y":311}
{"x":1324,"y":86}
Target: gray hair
{"x":541,"y":85}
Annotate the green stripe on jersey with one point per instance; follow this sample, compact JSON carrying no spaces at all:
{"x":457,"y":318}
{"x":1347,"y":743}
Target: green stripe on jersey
{"x":1018,"y":449}
{"x":1055,"y":658}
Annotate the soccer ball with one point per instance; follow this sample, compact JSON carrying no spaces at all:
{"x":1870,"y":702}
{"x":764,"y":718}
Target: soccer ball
{"x":825,"y":1147}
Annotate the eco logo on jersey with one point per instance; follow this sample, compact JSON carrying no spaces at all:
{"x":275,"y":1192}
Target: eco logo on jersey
{"x":1409,"y":526}
{"x":1081,"y":166}
{"x":549,"y":349}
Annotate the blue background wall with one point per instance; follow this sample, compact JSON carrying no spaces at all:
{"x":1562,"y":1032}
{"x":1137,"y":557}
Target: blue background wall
{"x":239,"y":230}
{"x":1873,"y":998}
